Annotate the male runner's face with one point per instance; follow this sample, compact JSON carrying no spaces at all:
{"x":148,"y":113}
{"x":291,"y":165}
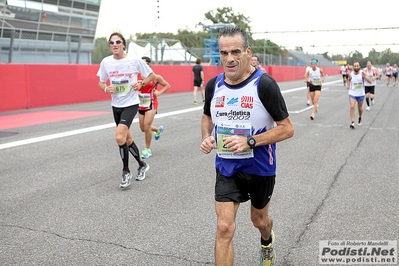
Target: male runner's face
{"x":254,"y":62}
{"x":356,"y":67}
{"x":234,"y":57}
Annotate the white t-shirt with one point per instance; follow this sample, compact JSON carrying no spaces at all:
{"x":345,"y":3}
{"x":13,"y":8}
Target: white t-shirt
{"x":343,"y":70}
{"x":121,"y":73}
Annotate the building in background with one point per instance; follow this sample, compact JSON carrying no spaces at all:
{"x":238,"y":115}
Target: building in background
{"x":48,"y":31}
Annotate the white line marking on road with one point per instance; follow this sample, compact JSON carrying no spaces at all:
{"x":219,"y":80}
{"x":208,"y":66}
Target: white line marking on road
{"x":110,"y":125}
{"x":85,"y":130}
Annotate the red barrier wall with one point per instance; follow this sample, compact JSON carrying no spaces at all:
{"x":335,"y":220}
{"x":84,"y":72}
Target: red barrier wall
{"x":32,"y":86}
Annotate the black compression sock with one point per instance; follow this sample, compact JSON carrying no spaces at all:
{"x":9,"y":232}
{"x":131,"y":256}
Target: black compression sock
{"x":124,"y":153}
{"x":136,"y":154}
{"x":368,"y":101}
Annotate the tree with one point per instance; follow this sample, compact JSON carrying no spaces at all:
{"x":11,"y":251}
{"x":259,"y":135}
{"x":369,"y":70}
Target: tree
{"x":262,"y":46}
{"x":387,"y":56}
{"x":355,"y":55}
{"x":101,"y":50}
{"x":325,"y":55}
{"x":373,"y":56}
{"x":227,"y":16}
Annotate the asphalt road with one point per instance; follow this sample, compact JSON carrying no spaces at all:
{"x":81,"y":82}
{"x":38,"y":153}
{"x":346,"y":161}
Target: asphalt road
{"x":60,"y":201}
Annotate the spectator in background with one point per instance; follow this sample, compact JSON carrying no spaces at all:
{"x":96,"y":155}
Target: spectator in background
{"x":198,"y":71}
{"x":256,"y":64}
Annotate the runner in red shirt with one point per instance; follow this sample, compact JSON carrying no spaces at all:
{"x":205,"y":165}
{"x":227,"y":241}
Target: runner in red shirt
{"x":348,"y":70}
{"x":148,"y":107}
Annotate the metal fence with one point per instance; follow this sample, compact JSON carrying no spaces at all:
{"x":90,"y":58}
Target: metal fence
{"x":294,"y":58}
{"x":21,"y":46}
{"x":25,"y":47}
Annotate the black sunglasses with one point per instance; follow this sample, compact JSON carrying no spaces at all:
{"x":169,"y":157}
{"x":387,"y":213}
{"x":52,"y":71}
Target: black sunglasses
{"x":117,"y":42}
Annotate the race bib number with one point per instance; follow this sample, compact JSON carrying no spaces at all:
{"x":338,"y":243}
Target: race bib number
{"x":145,"y":100}
{"x":357,"y":86}
{"x":121,"y":86}
{"x":317,"y":82}
{"x":227,"y":129}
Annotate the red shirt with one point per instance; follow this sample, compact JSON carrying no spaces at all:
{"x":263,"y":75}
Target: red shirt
{"x":348,"y":70}
{"x":149,"y":88}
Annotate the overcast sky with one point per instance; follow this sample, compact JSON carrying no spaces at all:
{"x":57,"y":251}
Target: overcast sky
{"x":274,"y":17}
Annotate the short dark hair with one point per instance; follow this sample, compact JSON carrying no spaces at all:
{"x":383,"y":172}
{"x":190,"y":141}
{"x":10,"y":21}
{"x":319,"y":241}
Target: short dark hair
{"x":147,"y":59}
{"x":198,"y":61}
{"x":233,"y":31}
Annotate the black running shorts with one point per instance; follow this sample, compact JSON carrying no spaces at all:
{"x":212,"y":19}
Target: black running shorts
{"x":369,"y":89}
{"x":125,"y":115}
{"x":197,"y":82}
{"x":242,"y":187}
{"x":314,"y":88}
{"x":142,"y":112}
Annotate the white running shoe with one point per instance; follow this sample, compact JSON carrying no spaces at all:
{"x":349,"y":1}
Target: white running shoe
{"x":126,"y":176}
{"x":141,"y":172}
{"x":368,"y":108}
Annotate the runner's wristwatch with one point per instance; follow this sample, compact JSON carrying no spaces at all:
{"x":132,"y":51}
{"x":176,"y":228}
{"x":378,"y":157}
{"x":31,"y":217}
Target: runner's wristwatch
{"x":251,"y":142}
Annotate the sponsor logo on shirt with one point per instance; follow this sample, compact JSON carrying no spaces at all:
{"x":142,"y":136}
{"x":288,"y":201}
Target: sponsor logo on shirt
{"x":247,"y":102}
{"x":219,"y":103}
{"x":232,"y":102}
{"x":235,"y":115}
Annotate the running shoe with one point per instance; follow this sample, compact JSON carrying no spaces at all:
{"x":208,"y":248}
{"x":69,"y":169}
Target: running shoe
{"x":158,"y":133}
{"x":368,"y":108}
{"x":352,"y":125}
{"x":267,"y":253}
{"x":359,"y":122}
{"x":195,"y":102}
{"x":308,"y":103}
{"x":372,"y":102}
{"x":312,"y":117}
{"x":141,"y":172}
{"x":126,"y":176}
{"x":146,"y":153}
